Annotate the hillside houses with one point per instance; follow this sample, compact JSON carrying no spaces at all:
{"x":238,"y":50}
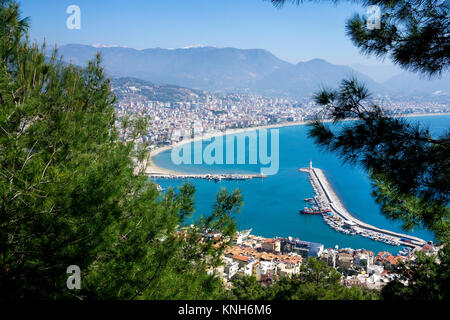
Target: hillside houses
{"x":268,"y":259}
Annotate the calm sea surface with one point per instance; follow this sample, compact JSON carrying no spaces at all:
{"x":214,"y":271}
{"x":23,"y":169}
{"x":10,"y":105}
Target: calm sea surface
{"x":271,"y":205}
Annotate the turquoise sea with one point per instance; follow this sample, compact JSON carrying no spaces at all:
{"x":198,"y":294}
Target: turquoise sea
{"x":271,"y":205}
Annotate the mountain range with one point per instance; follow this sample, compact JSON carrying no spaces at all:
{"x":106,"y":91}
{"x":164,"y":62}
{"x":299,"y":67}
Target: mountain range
{"x":246,"y":70}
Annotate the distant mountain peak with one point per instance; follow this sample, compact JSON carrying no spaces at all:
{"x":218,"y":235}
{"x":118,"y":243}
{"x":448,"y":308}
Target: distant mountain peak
{"x":195,"y":46}
{"x":99,"y":45}
{"x":227,"y":69}
{"x":317,"y":61}
{"x":222,"y":69}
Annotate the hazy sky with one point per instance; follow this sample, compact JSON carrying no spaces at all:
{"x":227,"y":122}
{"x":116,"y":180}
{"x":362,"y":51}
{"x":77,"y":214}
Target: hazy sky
{"x":293,"y":33}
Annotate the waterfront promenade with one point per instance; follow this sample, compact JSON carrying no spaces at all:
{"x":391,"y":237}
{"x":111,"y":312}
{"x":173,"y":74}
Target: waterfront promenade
{"x":326,"y":198}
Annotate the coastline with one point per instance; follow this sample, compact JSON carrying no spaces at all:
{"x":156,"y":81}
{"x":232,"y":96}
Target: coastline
{"x":324,"y":189}
{"x":154,"y":170}
{"x":423,"y":115}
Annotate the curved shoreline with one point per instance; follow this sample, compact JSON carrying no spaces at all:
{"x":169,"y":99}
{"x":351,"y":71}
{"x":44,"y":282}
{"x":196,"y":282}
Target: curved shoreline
{"x":154,"y":170}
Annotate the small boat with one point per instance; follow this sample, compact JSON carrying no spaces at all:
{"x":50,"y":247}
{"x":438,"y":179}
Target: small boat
{"x":313,"y":211}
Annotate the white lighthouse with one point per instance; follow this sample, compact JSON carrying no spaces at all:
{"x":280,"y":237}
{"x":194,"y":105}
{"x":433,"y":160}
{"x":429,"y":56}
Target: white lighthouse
{"x":310,"y":164}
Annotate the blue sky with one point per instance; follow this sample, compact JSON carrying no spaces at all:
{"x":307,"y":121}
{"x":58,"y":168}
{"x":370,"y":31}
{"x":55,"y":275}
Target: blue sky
{"x":293,"y":33}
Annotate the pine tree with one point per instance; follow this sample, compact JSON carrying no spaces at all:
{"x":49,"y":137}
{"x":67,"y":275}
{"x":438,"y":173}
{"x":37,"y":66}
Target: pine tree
{"x":316,"y":281}
{"x":414,"y":34}
{"x":409,"y":168}
{"x":69,"y":193}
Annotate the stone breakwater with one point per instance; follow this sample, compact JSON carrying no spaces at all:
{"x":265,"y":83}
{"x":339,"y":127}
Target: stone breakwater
{"x":215,"y":177}
{"x":342,"y":220}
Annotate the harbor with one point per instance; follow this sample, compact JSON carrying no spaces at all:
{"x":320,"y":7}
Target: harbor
{"x":211,"y":177}
{"x":153,"y":171}
{"x":326,"y":203}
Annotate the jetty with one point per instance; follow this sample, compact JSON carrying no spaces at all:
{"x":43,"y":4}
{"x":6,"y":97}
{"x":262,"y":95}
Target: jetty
{"x":153,"y":171}
{"x":207,"y":176}
{"x":340,"y":219}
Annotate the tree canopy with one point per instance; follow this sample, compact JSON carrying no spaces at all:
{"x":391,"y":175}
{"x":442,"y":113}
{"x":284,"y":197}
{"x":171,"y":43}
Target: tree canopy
{"x":414,"y":34}
{"x":316,"y":281}
{"x":70,"y":194}
{"x":409,"y":168}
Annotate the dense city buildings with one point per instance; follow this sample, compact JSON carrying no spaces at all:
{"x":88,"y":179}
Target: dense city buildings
{"x":266,"y":259}
{"x":172,"y":120}
{"x":187,"y":113}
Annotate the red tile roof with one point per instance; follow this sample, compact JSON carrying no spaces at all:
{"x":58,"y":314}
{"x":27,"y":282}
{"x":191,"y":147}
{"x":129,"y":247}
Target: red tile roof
{"x":392,"y":260}
{"x":240,"y":258}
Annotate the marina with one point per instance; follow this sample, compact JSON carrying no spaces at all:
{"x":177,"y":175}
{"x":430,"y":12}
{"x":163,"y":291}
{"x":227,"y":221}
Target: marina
{"x":271,"y":206}
{"x":336,"y":216}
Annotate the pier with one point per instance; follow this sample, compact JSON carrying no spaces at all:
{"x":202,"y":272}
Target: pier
{"x":342,"y":220}
{"x":153,"y":171}
{"x":215,"y":177}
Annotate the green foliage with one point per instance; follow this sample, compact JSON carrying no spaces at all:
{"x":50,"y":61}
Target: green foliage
{"x":414,"y":34}
{"x":225,"y":203}
{"x":316,"y":281}
{"x":409,"y":168}
{"x":248,"y":288}
{"x":428,"y":278}
{"x":69,"y":194}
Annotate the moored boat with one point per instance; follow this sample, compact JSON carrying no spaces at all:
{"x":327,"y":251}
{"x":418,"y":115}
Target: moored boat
{"x":313,"y":211}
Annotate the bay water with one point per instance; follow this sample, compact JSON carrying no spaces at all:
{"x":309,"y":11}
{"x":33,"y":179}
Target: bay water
{"x":271,"y":205}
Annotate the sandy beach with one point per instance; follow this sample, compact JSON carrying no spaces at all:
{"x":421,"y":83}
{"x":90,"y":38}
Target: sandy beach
{"x":154,"y":170}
